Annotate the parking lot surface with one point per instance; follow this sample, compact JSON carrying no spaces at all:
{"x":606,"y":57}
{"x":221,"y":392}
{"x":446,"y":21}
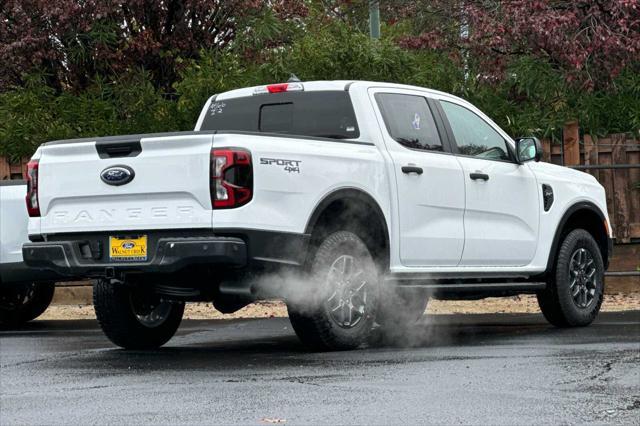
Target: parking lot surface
{"x":482,"y":369}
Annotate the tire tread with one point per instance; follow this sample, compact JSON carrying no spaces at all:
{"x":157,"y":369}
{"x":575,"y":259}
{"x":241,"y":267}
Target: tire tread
{"x":554,"y":306}
{"x":118,"y":322}
{"x":312,"y":325}
{"x":32,"y":309}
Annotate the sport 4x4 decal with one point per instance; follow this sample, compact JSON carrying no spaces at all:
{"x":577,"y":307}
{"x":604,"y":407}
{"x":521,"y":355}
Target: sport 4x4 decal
{"x":290,"y":166}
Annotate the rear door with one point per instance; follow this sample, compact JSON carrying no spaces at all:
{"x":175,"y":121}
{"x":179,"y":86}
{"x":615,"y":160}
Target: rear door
{"x":501,"y":214}
{"x":429,"y":180}
{"x":169,"y":189}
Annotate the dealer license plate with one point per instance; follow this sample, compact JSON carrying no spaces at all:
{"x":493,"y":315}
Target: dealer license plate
{"x":128,"y":249}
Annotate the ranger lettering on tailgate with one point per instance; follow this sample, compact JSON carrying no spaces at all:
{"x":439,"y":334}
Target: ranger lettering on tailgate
{"x":112,"y":215}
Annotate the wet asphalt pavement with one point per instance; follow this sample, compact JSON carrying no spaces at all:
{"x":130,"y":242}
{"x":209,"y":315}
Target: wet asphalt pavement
{"x":482,"y":369}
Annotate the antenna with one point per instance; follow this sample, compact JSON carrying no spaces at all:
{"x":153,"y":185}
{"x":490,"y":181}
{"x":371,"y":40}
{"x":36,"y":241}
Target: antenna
{"x":293,"y":79}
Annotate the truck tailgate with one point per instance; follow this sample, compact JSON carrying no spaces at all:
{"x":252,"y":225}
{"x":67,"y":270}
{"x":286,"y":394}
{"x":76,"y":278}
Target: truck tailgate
{"x":170,"y":187}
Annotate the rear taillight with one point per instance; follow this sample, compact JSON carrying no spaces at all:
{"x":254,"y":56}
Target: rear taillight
{"x":231,"y":178}
{"x":33,"y":205}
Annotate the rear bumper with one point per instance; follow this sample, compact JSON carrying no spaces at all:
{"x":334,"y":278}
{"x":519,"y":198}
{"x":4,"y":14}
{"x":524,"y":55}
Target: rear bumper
{"x":169,"y":255}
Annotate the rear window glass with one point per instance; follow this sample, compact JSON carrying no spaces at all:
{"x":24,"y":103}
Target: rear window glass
{"x":321,"y":114}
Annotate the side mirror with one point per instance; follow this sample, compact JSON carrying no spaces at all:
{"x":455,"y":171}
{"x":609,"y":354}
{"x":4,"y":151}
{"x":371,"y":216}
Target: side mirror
{"x":528,"y":149}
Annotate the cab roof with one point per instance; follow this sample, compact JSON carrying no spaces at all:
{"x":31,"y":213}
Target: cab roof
{"x":322,"y":85}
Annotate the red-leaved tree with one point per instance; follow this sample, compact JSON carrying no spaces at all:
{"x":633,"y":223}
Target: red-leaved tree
{"x":74,"y":41}
{"x":589,"y":41}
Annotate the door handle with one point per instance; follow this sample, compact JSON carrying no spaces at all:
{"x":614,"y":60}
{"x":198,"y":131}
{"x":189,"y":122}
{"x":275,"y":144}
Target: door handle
{"x":479,"y":176}
{"x":412,"y":169}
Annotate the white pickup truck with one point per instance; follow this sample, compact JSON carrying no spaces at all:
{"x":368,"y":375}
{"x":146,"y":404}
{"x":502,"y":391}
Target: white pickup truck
{"x":25,"y":293}
{"x":354,"y":201}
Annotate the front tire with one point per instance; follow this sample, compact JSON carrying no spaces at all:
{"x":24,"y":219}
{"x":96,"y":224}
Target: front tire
{"x":338,"y":311}
{"x":134,"y":318}
{"x":24,"y":302}
{"x":575,"y":289}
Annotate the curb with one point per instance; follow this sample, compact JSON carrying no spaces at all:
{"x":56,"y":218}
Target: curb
{"x":80,"y":293}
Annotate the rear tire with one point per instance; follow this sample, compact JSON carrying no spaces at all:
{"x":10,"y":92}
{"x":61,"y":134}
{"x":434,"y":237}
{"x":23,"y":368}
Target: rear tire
{"x":24,"y":302}
{"x":339,"y":309}
{"x":575,"y":289}
{"x":133,"y":318}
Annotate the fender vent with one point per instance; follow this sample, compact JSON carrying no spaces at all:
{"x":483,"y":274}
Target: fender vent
{"x":547,"y":196}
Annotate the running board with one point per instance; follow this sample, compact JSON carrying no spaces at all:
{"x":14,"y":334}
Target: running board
{"x":480,"y":287}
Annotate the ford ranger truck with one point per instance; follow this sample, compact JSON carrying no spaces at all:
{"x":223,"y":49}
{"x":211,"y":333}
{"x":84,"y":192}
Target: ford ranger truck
{"x":25,"y":293}
{"x":353,"y":201}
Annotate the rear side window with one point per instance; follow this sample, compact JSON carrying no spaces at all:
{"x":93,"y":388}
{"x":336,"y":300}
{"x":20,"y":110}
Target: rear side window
{"x":409,"y":121}
{"x":326,"y":114}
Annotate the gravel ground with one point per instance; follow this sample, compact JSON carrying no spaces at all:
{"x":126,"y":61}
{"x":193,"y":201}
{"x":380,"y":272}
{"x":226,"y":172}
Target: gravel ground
{"x":517,"y":304}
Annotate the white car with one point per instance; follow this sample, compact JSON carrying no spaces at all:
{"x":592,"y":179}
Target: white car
{"x":354,"y":201}
{"x":25,"y":293}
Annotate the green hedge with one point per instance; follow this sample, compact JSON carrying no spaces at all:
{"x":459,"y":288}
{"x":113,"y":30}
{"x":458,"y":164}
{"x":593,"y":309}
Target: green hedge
{"x":534,"y":100}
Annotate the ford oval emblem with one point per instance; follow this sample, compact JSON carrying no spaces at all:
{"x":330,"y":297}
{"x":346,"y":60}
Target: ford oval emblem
{"x":117,"y":175}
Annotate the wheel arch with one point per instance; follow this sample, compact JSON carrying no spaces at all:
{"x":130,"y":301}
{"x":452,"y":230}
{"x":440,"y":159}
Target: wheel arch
{"x":585,"y":215}
{"x":362,"y":213}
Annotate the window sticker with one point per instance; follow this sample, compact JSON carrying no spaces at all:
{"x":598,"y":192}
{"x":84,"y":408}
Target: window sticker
{"x":416,"y":121}
{"x":216,"y":108}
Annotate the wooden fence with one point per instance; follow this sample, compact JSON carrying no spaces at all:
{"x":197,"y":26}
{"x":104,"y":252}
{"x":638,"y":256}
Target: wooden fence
{"x":621,"y":182}
{"x":12,"y":170}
